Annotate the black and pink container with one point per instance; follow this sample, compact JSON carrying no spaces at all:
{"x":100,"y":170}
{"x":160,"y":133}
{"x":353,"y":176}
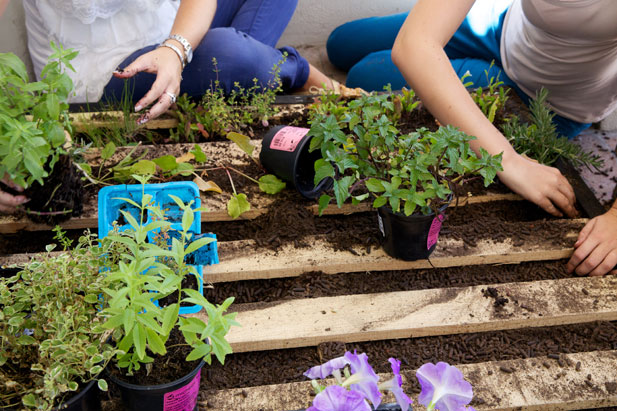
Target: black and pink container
{"x":285,"y":153}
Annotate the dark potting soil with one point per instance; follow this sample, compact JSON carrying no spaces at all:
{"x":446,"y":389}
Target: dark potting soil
{"x":164,"y":369}
{"x":60,"y":198}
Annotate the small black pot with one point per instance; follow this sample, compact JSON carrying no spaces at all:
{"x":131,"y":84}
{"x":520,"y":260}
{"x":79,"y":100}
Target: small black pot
{"x":179,"y":395}
{"x":285,"y":153}
{"x":86,"y":400}
{"x":411,"y":237}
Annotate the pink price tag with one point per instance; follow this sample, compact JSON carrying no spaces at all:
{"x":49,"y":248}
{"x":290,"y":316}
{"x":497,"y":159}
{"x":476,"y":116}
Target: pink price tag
{"x":433,"y":232}
{"x":287,"y":138}
{"x":185,"y":398}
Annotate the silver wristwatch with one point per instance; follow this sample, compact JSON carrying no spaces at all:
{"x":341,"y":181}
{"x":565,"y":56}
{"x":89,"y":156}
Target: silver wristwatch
{"x":188,"y":50}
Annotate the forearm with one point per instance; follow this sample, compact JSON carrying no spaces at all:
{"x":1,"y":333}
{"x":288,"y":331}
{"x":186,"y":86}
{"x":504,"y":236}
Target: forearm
{"x":193,"y":20}
{"x":419,"y":54}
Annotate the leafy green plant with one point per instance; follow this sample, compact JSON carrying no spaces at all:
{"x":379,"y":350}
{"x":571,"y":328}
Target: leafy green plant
{"x":491,"y":98}
{"x":141,"y":272}
{"x":540,"y":140}
{"x":218,"y":113}
{"x":33,"y":116}
{"x":51,"y":342}
{"x":366,"y":155}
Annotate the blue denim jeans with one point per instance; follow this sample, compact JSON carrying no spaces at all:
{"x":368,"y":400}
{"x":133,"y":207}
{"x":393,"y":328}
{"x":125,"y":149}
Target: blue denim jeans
{"x":242,"y":39}
{"x":363,"y":48}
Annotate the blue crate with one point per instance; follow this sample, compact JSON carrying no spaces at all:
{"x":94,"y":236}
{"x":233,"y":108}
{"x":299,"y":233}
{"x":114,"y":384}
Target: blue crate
{"x":110,"y":205}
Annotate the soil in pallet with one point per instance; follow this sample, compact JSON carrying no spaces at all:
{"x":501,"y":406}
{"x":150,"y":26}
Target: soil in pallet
{"x":281,"y":366}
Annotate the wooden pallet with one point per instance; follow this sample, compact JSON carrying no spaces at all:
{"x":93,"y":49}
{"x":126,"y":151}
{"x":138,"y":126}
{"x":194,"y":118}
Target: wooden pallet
{"x":215,"y":203}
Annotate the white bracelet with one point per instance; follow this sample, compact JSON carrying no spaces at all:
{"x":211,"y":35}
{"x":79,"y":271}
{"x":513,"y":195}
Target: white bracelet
{"x":188,"y":50}
{"x":176,"y":50}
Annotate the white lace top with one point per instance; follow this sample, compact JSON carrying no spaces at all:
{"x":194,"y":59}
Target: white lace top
{"x":104,"y":32}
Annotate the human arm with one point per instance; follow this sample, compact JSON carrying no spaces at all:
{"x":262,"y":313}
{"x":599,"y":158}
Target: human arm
{"x":419,"y":54}
{"x":595,"y":250}
{"x":192,"y":22}
{"x":9,"y":202}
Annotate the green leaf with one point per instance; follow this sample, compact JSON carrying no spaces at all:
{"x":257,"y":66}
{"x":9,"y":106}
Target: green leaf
{"x":13,"y":62}
{"x":26,"y":340}
{"x":200,"y":156}
{"x":200,"y":351}
{"x":341,"y":189}
{"x":29,"y":400}
{"x":166,"y":163}
{"x":237,"y":205}
{"x":53,"y":106}
{"x":139,"y":340}
{"x":108,"y":151}
{"x":102,"y":385}
{"x":155,"y":343}
{"x":323,"y":169}
{"x":324,"y":200}
{"x":143,"y":167}
{"x":242,"y":141}
{"x":374,"y":185}
{"x":271,"y":184}
{"x":197,"y":244}
{"x":380,"y":202}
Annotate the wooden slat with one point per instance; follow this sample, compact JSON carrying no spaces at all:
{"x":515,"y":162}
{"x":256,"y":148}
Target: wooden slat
{"x":245,"y":260}
{"x":530,"y":386}
{"x":420,"y":313}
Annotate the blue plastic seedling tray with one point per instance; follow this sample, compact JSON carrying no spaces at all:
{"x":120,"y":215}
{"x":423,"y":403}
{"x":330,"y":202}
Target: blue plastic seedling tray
{"x":111,"y":204}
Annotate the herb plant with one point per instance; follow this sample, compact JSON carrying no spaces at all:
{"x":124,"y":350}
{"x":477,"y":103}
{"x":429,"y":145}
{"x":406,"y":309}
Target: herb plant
{"x":366,"y":155}
{"x":218,"y":113}
{"x":443,"y":386}
{"x":33,"y":116}
{"x":540,"y":141}
{"x":51,"y":342}
{"x":141,"y":272}
{"x":491,"y":98}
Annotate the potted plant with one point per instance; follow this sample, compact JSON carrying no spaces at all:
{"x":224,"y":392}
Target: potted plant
{"x":34,"y":125}
{"x":52,"y":347}
{"x":411,"y":178}
{"x":356,"y":384}
{"x":161,"y":352}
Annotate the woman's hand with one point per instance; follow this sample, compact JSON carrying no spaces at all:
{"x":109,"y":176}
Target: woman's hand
{"x":595,"y":251}
{"x":543,"y":185}
{"x":8,"y":202}
{"x":166,"y":64}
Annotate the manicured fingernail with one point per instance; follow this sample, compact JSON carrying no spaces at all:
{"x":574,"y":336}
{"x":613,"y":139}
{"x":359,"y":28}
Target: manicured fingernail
{"x":138,"y":107}
{"x":22,"y":199}
{"x":142,"y":120}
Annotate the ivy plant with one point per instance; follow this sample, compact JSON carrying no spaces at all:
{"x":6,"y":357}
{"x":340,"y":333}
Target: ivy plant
{"x":368,"y":158}
{"x":33,"y":116}
{"x":51,"y":342}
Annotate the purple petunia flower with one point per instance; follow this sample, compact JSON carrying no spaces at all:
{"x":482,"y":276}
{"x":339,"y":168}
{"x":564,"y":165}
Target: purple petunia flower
{"x":327,"y":369}
{"x":363,"y":378}
{"x":443,"y":387}
{"x":395,"y":385}
{"x":337,"y":398}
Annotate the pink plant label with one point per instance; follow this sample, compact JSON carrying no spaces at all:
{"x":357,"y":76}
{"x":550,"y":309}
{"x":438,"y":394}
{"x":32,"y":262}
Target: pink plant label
{"x":185,"y":398}
{"x":433,"y":232}
{"x":287,"y":138}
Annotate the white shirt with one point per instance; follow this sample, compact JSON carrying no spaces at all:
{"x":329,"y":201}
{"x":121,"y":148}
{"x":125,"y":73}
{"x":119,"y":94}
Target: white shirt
{"x":104,"y":32}
{"x":570,"y":48}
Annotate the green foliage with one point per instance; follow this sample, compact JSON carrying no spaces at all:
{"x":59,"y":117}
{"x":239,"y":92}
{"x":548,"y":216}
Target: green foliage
{"x":51,"y":338}
{"x":490,"y":99}
{"x":141,"y":272}
{"x":365,"y":154}
{"x":540,"y":140}
{"x":33,"y":116}
{"x":218,"y":113}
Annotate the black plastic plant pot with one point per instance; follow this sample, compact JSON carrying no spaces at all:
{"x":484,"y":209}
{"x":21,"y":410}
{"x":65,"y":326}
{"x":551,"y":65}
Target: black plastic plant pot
{"x":86,"y":400}
{"x":285,"y":153}
{"x":179,"y":395}
{"x":411,"y":237}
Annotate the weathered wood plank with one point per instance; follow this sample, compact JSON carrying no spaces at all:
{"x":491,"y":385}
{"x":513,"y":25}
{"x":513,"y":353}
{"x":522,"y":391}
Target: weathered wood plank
{"x":420,"y":313}
{"x":245,"y":260}
{"x":530,"y":386}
